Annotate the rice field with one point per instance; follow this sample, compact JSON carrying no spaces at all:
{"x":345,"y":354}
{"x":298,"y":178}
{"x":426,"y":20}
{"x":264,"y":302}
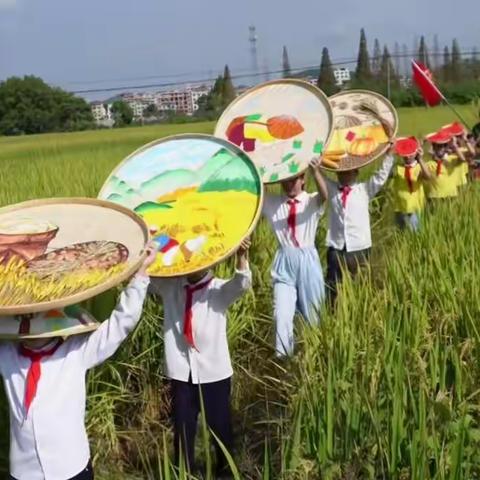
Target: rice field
{"x":386,"y":388}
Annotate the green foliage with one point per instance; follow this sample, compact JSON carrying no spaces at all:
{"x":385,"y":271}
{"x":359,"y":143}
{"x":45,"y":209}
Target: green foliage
{"x":122,"y":113}
{"x":228,"y":90}
{"x":326,"y":79}
{"x":287,"y":71}
{"x":29,"y":105}
{"x":423,"y":56}
{"x":363,"y":73}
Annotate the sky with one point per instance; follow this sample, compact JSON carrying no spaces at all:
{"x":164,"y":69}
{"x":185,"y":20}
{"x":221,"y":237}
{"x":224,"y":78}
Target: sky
{"x":81,"y":44}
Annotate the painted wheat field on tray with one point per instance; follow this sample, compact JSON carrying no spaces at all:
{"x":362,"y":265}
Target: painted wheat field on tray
{"x":385,"y":388}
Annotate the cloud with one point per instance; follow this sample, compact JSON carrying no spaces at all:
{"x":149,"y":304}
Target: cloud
{"x":8,"y":4}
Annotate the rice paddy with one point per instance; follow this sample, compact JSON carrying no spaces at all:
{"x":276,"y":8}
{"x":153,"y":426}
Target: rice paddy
{"x":386,"y":388}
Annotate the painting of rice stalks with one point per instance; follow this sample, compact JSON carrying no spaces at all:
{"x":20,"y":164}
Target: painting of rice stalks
{"x":51,"y":251}
{"x":280,"y":124}
{"x":199,"y":195}
{"x":364,"y":122}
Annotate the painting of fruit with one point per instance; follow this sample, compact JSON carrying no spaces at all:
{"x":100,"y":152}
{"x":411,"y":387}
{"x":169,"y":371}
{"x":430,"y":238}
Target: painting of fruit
{"x":280,"y":137}
{"x":364,"y":122}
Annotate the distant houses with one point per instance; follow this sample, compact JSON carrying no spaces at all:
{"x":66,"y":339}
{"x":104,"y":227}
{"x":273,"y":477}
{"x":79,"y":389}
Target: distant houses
{"x":180,"y":101}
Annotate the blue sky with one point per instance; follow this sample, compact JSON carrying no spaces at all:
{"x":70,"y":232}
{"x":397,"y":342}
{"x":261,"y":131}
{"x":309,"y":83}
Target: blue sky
{"x":100,"y":43}
{"x":190,"y":154}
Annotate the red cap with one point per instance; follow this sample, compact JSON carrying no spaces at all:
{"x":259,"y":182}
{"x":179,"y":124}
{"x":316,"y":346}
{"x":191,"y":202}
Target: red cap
{"x":406,"y":146}
{"x":440,"y":137}
{"x":456,"y":129}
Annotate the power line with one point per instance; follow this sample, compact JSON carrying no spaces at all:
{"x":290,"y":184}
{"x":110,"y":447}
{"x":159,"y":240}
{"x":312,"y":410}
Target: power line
{"x":247,"y":74}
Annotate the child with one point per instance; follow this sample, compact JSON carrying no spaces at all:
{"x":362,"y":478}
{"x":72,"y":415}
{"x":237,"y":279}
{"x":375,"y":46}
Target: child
{"x":445,"y":178}
{"x":408,"y":183}
{"x":44,"y":382}
{"x":459,"y":151}
{"x":297,"y":273}
{"x":349,"y":236}
{"x":196,"y":353}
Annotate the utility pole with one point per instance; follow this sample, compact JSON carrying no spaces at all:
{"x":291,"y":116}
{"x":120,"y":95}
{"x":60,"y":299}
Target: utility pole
{"x":253,"y":52}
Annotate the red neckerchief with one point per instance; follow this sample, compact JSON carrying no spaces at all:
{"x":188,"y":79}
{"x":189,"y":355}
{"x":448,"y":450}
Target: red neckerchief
{"x":408,"y":176}
{"x":188,"y":316}
{"x":292,"y":219}
{"x":35,"y":370}
{"x":346,"y":189}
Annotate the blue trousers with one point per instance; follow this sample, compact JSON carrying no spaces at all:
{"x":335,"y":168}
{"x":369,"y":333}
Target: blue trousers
{"x":298,"y":285}
{"x":408,"y":220}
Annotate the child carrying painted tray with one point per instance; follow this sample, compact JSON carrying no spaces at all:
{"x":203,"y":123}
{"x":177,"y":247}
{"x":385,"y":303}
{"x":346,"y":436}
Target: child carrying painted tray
{"x":44,"y":381}
{"x":409,"y":178}
{"x":296,"y":272}
{"x":349,"y":237}
{"x":197,"y":359}
{"x":444,"y":184}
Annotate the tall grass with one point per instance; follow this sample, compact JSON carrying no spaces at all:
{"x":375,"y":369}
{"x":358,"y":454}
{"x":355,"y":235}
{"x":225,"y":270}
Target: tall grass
{"x":387,"y":387}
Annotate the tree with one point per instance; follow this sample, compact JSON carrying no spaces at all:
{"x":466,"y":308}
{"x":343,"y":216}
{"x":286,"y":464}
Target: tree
{"x":387,"y":73}
{"x":447,"y":65}
{"x":326,"y":78}
{"x":397,"y":56}
{"x":377,"y":57}
{"x":456,"y":67}
{"x":363,"y":73}
{"x":287,"y":71}
{"x":29,"y":105}
{"x":422,"y":56}
{"x":122,"y":113}
{"x":150,"y":111}
{"x":436,"y":54}
{"x":228,"y":90}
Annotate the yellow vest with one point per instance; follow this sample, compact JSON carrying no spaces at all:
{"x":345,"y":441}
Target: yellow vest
{"x":405,"y":201}
{"x":458,"y":169}
{"x":445,"y":185}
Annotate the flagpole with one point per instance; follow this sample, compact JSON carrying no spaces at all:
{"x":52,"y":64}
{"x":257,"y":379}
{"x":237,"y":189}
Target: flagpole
{"x":449,"y":105}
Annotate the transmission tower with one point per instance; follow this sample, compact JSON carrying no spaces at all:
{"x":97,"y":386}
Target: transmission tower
{"x":253,"y":52}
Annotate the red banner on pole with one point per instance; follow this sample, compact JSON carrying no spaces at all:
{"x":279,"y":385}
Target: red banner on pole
{"x":422,"y":77}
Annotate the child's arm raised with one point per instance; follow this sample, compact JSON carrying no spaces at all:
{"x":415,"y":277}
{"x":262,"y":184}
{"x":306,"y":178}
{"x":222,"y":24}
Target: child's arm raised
{"x":426,"y":172}
{"x":103,"y":343}
{"x":232,"y":289}
{"x":378,"y":180}
{"x":319,"y":178}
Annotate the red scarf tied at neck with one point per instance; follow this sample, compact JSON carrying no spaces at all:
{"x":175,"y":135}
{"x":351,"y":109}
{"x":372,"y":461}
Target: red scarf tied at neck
{"x":408,"y":177}
{"x":292,"y":220}
{"x":346,"y":189}
{"x":188,"y":316}
{"x":35,"y":370}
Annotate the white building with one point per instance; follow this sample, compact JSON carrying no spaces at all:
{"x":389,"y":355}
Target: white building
{"x":181,"y":100}
{"x":342,"y":75}
{"x":100,"y":111}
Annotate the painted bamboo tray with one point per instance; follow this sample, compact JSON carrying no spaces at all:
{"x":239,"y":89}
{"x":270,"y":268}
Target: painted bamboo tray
{"x":60,"y":251}
{"x":364,"y":124}
{"x":199,"y":195}
{"x":71,"y":320}
{"x":281,"y":124}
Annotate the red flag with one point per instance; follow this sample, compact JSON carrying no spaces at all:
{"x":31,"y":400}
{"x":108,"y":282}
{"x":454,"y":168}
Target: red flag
{"x":422,"y":77}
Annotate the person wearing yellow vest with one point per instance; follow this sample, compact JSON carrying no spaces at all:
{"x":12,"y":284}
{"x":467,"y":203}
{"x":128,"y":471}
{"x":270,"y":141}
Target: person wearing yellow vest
{"x":409,"y":177}
{"x":445,"y":180}
{"x":459,"y":151}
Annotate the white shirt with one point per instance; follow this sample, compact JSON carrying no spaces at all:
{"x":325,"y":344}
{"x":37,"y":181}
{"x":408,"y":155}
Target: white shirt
{"x":210,"y":360}
{"x":51,"y":443}
{"x":349,"y":227}
{"x":308,"y":212}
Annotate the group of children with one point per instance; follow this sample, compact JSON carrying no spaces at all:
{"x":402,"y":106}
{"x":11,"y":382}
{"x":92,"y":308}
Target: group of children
{"x":45,"y":378}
